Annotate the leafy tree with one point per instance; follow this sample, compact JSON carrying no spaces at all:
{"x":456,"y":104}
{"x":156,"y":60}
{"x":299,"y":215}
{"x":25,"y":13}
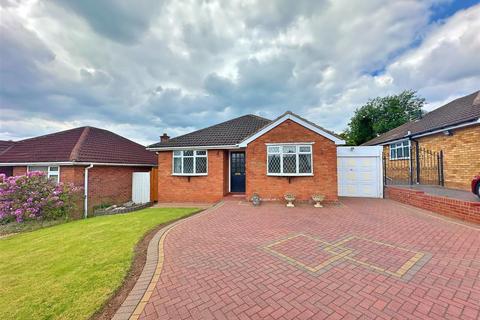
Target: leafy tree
{"x":383,"y":114}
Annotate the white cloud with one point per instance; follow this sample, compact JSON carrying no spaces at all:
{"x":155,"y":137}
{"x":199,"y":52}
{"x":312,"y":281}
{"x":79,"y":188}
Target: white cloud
{"x":450,"y":52}
{"x":179,"y":65}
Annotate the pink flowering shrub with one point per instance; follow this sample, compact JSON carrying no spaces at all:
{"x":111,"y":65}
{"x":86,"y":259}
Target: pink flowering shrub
{"x":35,"y":197}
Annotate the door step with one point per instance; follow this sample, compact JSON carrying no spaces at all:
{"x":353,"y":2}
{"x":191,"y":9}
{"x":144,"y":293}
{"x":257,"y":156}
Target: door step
{"x":235,"y":196}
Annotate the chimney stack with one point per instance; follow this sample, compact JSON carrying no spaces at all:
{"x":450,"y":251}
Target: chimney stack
{"x":164,"y":138}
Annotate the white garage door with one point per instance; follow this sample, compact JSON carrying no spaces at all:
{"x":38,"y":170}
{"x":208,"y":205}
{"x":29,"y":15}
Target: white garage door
{"x":360,"y":172}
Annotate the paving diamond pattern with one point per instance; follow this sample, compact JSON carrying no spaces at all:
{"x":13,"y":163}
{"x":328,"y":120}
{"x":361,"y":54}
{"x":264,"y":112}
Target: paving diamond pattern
{"x":307,"y":252}
{"x":314,"y":255}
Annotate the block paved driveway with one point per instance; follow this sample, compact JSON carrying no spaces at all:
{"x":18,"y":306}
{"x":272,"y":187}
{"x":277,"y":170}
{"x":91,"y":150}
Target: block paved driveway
{"x":366,"y":258}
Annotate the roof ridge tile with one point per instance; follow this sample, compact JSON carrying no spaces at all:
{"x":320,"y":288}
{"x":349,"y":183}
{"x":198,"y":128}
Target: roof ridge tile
{"x":48,"y":134}
{"x":7,"y":148}
{"x":477,"y":98}
{"x":78,"y":145}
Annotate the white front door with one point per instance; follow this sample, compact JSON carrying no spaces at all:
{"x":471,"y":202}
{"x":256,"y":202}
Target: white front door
{"x":360,"y":172}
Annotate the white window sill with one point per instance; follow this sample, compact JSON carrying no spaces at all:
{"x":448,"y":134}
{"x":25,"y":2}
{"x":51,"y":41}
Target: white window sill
{"x":290,"y":174}
{"x":399,"y":159}
{"x":190,"y":174}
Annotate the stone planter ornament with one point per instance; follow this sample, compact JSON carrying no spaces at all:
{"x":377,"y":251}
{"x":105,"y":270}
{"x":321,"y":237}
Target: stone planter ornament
{"x":255,"y":200}
{"x":290,"y":197}
{"x":318,"y":198}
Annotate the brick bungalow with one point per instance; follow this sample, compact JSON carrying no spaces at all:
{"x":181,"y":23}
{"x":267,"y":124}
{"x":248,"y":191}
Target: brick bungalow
{"x":453,"y":128}
{"x":248,"y":155}
{"x":97,"y":160}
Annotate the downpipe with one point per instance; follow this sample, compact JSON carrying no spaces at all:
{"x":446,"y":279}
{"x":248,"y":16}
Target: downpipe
{"x":85,"y":191}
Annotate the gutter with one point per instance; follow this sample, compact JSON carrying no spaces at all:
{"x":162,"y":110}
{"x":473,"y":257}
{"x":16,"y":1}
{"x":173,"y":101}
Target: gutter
{"x":85,"y":192}
{"x":420,"y":134}
{"x":74,"y":163}
{"x":233,"y":146}
{"x":427,"y":133}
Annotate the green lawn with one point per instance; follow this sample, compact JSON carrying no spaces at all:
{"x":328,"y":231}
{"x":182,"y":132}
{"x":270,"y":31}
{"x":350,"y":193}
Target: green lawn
{"x":68,"y":271}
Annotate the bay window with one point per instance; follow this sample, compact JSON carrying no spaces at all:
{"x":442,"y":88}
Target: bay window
{"x":289,"y":160}
{"x":190,"y":162}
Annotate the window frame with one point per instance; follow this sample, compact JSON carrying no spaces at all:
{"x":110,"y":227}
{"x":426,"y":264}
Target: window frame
{"x":399,"y":145}
{"x":50,"y":172}
{"x":195,"y":156}
{"x":297,"y":153}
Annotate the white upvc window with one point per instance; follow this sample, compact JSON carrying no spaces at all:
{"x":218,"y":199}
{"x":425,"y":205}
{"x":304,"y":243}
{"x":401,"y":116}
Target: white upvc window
{"x":52,"y":172}
{"x":190,"y":163}
{"x":400,"y":150}
{"x":289,"y":160}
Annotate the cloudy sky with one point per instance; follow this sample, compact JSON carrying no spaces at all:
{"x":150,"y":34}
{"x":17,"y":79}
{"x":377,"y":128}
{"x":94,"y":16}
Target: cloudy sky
{"x":179,"y":65}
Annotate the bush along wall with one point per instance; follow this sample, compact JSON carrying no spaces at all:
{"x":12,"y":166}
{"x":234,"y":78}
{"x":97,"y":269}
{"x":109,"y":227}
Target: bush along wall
{"x":35,"y":197}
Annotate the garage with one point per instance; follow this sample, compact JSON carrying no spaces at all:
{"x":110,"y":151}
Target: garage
{"x":360,"y":171}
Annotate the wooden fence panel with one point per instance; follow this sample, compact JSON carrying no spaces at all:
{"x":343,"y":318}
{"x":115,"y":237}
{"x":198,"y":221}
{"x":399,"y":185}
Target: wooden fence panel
{"x":154,"y":185}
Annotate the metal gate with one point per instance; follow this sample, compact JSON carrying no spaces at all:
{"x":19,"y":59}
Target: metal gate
{"x":423,"y":166}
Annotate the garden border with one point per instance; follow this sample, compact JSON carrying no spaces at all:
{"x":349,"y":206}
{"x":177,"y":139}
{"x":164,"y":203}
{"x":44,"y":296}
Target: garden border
{"x":104,"y":212}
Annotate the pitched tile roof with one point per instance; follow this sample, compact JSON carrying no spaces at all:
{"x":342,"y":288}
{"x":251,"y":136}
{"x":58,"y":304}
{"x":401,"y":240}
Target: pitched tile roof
{"x":4,"y":144}
{"x":226,"y":133}
{"x":84,"y":144}
{"x":458,"y":111}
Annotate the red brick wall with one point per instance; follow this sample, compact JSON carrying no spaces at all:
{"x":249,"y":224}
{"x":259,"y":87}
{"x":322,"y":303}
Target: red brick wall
{"x":460,"y":151}
{"x":110,"y":184}
{"x":209,"y":188}
{"x":107,"y":184}
{"x":464,"y":210}
{"x":68,"y":174}
{"x":18,"y":171}
{"x":226,"y":173}
{"x":324,"y":180}
{"x":72,"y":174}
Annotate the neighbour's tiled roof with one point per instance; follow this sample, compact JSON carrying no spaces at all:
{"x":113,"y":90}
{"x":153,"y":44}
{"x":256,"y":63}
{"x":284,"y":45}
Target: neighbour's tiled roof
{"x":458,"y":111}
{"x":4,"y":145}
{"x":226,"y":133}
{"x":84,"y":144}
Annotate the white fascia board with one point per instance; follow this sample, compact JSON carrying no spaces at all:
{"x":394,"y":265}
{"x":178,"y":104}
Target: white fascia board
{"x":414,"y":136}
{"x":301,"y":122}
{"x":447,"y":128}
{"x":394,"y":141}
{"x":115,"y":164}
{"x":10,"y":164}
{"x":233,"y":146}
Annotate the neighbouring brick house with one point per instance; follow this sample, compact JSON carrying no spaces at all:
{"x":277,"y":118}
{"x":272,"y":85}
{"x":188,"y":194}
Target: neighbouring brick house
{"x":249,"y":154}
{"x":453,"y":128}
{"x":99,"y":161}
